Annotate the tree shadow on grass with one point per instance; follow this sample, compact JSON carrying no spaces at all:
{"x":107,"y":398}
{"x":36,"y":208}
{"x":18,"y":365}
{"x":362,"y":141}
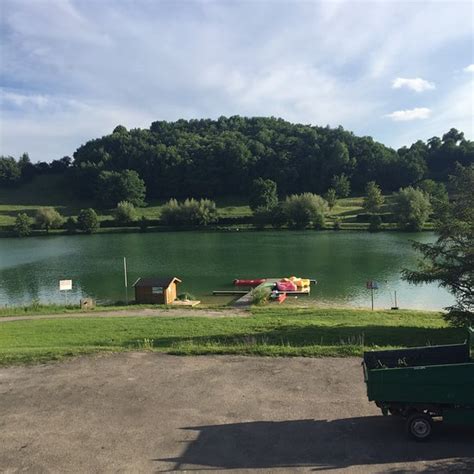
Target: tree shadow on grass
{"x":322,"y":445}
{"x":312,"y":335}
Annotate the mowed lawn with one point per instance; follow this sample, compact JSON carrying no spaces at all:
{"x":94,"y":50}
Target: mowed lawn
{"x":267,"y":331}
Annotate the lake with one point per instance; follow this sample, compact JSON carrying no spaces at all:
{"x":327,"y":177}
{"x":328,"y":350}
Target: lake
{"x":342,"y":262}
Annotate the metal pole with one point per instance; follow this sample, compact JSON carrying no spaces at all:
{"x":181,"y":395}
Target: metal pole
{"x":372,"y":295}
{"x":125,"y":278}
{"x":396,"y":302}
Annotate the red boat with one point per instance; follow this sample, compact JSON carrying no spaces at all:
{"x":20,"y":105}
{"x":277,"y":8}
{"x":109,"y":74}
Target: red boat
{"x":254,"y":282}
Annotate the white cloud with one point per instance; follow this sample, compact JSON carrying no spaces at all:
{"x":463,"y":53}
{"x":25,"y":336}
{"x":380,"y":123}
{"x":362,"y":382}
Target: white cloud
{"x":73,"y":69}
{"x":21,"y":100}
{"x":469,"y":68}
{"x":417,"y":113}
{"x":416,"y":84}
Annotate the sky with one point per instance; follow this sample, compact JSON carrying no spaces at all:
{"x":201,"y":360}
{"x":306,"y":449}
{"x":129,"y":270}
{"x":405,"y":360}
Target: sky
{"x":71,"y":70}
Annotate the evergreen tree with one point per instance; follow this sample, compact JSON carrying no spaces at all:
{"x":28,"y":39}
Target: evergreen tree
{"x":450,"y":260}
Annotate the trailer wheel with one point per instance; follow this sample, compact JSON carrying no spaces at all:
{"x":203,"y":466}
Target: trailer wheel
{"x":420,"y":426}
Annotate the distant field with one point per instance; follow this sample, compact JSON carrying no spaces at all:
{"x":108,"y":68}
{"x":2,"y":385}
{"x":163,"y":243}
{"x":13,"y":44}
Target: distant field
{"x":51,"y":191}
{"x":269,"y":331}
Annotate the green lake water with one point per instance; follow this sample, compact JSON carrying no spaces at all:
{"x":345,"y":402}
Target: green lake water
{"x":342,"y":262}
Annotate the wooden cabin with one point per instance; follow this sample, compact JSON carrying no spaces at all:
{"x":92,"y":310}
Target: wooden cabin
{"x":156,"y":290}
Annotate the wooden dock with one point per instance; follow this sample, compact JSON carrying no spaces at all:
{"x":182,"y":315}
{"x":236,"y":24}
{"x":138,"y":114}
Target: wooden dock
{"x":191,"y":303}
{"x":246,"y":299}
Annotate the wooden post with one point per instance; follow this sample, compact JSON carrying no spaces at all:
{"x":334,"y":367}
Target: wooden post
{"x":125,"y":278}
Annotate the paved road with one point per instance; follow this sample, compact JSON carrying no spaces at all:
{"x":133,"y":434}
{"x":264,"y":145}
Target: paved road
{"x":146,"y":412}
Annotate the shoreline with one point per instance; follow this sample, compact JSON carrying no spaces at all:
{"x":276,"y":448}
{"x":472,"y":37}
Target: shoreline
{"x":347,"y":227}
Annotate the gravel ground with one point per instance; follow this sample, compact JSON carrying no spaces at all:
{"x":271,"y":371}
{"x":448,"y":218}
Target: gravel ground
{"x":148,"y":412}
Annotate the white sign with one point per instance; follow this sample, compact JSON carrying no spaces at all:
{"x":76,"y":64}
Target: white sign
{"x":65,"y":285}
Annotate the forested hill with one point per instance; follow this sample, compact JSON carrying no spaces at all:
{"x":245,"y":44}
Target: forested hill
{"x":222,"y":157}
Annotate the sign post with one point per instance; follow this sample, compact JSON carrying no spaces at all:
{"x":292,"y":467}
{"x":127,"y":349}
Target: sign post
{"x":126,"y":279}
{"x":65,"y":285}
{"x":372,"y":285}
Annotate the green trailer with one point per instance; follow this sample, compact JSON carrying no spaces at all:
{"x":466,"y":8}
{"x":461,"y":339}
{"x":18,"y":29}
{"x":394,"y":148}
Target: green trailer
{"x":422,"y":383}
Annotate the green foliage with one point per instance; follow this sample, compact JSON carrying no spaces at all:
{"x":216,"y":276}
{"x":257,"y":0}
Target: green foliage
{"x":259,"y":296}
{"x":10,"y":172}
{"x":331,"y":197}
{"x":22,"y":225}
{"x":375,"y":223}
{"x":87,"y":221}
{"x":437,"y":193}
{"x":263,"y":194}
{"x":261,"y":217}
{"x":186,"y":297}
{"x":117,"y":186}
{"x":190,"y":212}
{"x":143,"y":224}
{"x":48,"y":218}
{"x":305,"y":209}
{"x":277,"y":216}
{"x":71,"y":225}
{"x":374,"y":198}
{"x":341,"y":185}
{"x":336,"y":225}
{"x":125,"y":213}
{"x":450,"y":260}
{"x":222,"y":158}
{"x":412,"y":208}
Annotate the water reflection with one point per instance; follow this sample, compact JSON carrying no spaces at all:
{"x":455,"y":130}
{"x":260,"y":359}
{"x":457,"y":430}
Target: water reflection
{"x":341,"y":262}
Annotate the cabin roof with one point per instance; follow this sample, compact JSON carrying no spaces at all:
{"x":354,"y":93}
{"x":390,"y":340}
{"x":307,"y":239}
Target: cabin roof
{"x":163,"y":282}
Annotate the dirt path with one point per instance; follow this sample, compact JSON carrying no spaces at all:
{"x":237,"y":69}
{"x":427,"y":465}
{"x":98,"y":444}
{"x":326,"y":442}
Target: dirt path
{"x":170,"y":313}
{"x":146,"y":412}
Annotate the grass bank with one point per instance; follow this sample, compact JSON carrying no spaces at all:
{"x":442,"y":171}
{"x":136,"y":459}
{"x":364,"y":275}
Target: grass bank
{"x":268,"y":332}
{"x":234,"y":212}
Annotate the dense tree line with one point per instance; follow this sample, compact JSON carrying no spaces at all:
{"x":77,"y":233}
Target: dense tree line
{"x":211,"y":158}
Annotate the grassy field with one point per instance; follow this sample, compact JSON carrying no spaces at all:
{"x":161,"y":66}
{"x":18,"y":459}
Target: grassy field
{"x":51,"y":191}
{"x":267,"y":332}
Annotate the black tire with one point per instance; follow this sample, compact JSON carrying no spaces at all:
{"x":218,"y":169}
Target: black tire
{"x":420,"y":426}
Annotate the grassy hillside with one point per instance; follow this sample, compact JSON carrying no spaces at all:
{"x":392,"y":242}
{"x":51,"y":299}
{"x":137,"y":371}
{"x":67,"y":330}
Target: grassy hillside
{"x":268,"y":331}
{"x":51,"y":191}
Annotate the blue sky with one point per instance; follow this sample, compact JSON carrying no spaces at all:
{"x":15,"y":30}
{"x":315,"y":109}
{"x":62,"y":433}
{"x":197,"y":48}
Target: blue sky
{"x":72,"y":70}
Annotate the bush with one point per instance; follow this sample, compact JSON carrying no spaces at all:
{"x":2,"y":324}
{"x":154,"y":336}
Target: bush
{"x":263,"y":194}
{"x":412,"y":208}
{"x":261,"y":217}
{"x":374,"y":198}
{"x":71,"y":225}
{"x":375,"y":223}
{"x":87,"y":221}
{"x":125,"y":213}
{"x":336,"y":224}
{"x":189,"y":212}
{"x":277,"y":216}
{"x":305,"y":209}
{"x":48,"y":218}
{"x":260,"y":296}
{"x":331,"y":197}
{"x":143,"y":224}
{"x":115,"y":186}
{"x":22,"y":225}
